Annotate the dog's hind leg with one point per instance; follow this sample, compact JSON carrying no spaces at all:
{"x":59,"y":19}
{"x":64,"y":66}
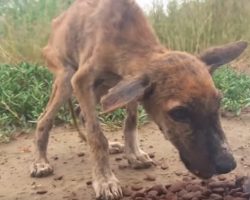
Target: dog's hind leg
{"x":137,"y":158}
{"x":61,"y":92}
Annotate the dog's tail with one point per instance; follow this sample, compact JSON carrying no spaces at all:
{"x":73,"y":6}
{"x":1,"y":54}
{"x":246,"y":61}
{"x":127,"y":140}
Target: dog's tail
{"x":80,"y":133}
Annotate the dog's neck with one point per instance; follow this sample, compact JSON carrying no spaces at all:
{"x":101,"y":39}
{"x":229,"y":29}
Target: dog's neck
{"x":148,"y":61}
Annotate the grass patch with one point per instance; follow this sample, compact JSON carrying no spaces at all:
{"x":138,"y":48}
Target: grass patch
{"x":117,"y":117}
{"x":24,"y":93}
{"x":235,"y":87}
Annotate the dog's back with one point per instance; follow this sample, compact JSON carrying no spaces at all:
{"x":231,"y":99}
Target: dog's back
{"x":115,"y":26}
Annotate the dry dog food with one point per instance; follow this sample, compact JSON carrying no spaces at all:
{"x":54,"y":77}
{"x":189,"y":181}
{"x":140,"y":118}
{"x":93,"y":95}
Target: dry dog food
{"x":194,"y":189}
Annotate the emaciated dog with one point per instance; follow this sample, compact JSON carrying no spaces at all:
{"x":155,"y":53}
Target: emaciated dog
{"x":106,"y":51}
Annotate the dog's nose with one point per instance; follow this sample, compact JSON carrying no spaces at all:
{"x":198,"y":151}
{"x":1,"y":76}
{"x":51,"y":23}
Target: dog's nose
{"x":225,"y":165}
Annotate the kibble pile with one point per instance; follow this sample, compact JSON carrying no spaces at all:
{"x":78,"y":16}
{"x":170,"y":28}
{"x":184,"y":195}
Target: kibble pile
{"x":194,"y":189}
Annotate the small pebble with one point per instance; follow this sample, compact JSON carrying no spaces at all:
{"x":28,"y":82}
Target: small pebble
{"x":176,"y":187}
{"x":41,"y":191}
{"x":221,"y":178}
{"x":55,"y":157}
{"x":218,"y":190}
{"x":136,"y":187}
{"x":139,"y":194}
{"x":126,"y":192}
{"x":81,"y":154}
{"x":164,"y":167}
{"x":178,"y":173}
{"x":151,"y":155}
{"x":149,"y":177}
{"x":58,"y":178}
{"x":139,"y":198}
{"x":89,"y":183}
{"x":152,"y":194}
{"x":118,"y":159}
{"x":215,"y":197}
{"x":122,"y":166}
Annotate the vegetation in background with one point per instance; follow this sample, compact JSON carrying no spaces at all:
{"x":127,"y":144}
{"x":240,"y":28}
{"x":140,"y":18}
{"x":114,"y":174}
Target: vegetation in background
{"x":235,"y":88}
{"x":117,"y":117}
{"x":191,"y":26}
{"x":25,"y":26}
{"x":195,"y":25}
{"x":25,"y":90}
{"x":23,"y":93}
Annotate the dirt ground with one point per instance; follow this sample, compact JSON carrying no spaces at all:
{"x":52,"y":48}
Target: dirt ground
{"x":72,"y":165}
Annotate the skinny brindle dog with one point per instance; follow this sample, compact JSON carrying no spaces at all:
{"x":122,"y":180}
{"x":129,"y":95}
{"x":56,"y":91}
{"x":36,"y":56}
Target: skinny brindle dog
{"x":106,"y":51}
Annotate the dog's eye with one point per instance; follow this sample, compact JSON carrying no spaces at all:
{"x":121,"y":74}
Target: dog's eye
{"x":180,"y":114}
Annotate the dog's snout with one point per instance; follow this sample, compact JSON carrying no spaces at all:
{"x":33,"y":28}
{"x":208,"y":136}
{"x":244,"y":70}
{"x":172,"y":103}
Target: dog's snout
{"x":225,"y":164}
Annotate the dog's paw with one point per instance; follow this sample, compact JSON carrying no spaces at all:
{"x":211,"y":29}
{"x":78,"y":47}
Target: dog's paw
{"x":116,"y":148}
{"x":107,"y":188}
{"x":139,"y":160}
{"x":41,"y":169}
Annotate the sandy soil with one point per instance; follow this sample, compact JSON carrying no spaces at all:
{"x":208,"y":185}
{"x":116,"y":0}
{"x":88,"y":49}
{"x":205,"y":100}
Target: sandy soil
{"x":73,"y":170}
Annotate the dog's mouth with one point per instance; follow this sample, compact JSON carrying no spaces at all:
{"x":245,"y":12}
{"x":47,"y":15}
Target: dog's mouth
{"x":204,"y":173}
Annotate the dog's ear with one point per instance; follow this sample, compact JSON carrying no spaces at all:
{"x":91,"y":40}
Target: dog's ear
{"x":128,"y":90}
{"x":218,"y":56}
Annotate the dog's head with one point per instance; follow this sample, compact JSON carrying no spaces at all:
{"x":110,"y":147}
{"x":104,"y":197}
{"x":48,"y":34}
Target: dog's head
{"x":177,"y":91}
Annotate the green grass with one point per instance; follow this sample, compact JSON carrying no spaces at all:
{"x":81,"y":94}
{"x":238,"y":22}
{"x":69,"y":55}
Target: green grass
{"x":117,"y":118}
{"x":24,"y":93}
{"x":235,"y":88}
{"x":25,"y":89}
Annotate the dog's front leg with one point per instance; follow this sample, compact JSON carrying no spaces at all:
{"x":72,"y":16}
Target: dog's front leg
{"x":105,"y":183}
{"x":137,"y":158}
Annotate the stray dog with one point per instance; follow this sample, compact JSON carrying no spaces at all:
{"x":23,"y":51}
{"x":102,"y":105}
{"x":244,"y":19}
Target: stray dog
{"x":106,"y":51}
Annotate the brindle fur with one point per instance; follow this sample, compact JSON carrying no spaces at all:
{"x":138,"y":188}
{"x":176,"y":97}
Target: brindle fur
{"x":106,"y":49}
